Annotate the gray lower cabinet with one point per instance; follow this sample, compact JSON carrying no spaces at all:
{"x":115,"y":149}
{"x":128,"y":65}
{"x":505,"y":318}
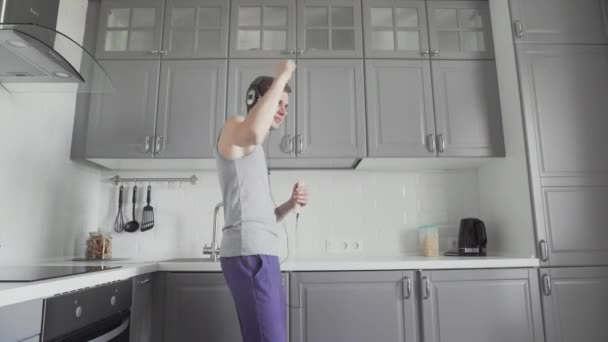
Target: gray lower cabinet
{"x":501,"y":305}
{"x":21,"y":321}
{"x":400,"y":116}
{"x":331,"y":109}
{"x":191,"y":108}
{"x":468,"y":119}
{"x":575,"y":303}
{"x":353,"y":306}
{"x":199,"y":307}
{"x":560,"y":21}
{"x":168,"y":109}
{"x":142,"y":308}
{"x":121,"y":124}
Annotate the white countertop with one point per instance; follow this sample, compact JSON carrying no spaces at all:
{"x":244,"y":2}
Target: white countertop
{"x":11,"y":293}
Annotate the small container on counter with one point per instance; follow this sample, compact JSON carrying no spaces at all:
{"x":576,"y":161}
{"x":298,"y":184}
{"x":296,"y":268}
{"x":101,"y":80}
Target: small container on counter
{"x":99,"y":246}
{"x":428,"y":237}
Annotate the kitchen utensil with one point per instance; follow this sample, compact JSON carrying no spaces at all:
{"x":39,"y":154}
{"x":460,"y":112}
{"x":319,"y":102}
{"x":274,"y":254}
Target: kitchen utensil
{"x":147,"y":217}
{"x":119,"y":222}
{"x":133,"y":226}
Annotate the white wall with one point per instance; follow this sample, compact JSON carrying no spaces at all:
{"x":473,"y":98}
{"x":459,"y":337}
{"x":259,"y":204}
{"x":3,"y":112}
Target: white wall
{"x":381,"y":209}
{"x":47,"y":201}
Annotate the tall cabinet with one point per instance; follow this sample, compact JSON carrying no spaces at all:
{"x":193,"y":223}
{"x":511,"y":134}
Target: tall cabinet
{"x":562,"y":52}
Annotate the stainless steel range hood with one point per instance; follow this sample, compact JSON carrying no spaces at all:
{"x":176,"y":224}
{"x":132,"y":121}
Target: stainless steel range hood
{"x":36,"y":58}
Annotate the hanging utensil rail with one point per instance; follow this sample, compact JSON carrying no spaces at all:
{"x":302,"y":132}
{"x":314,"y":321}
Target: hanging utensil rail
{"x":192,"y":179}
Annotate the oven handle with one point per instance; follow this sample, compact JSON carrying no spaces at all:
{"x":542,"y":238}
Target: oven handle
{"x":110,"y":335}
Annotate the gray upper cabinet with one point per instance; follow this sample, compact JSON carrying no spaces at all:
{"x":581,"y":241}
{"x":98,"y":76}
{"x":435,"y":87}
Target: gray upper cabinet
{"x":467,"y":109}
{"x":331,"y":109}
{"x":130,"y":29}
{"x":572,"y":226}
{"x":400,"y":117}
{"x":353,"y":306}
{"x":560,"y":21}
{"x":481,"y":306}
{"x":263,"y":28}
{"x":564,"y":97}
{"x":199,"y":307}
{"x":196,"y":29}
{"x":280,"y":144}
{"x":21,"y":321}
{"x":122,"y":124}
{"x":575,"y":303}
{"x":460,"y":30}
{"x":192,"y":108}
{"x":329,"y":29}
{"x":395,"y":28}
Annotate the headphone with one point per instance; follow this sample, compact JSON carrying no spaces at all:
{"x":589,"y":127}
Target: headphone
{"x":254,"y":92}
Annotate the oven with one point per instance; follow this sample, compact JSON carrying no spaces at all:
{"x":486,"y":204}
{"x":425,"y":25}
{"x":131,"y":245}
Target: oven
{"x":98,"y":314}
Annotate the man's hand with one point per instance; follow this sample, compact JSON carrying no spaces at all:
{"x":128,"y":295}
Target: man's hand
{"x":299,"y":195}
{"x":285,"y":68}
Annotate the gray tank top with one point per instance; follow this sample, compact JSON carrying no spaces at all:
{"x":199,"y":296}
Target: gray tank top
{"x":250,"y":222}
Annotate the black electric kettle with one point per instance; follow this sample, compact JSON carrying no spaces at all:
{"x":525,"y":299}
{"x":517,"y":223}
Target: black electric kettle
{"x":472,"y":238}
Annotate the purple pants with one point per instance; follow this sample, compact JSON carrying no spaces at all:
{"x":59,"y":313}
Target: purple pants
{"x":259,"y":296}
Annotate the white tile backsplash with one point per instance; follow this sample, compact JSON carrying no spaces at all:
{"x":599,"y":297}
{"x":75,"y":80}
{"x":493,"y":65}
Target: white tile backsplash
{"x":380,"y":209}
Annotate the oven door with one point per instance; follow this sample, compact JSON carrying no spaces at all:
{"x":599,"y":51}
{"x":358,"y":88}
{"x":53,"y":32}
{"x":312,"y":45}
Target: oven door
{"x":113,"y":329}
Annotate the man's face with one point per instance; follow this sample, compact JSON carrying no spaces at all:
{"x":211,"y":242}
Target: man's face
{"x":281,"y":111}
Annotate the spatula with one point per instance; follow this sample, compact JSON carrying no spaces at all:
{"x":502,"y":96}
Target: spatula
{"x":147,"y":218}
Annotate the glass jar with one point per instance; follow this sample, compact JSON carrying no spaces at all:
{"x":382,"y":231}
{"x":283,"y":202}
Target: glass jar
{"x":428,"y":237}
{"x":99,"y":246}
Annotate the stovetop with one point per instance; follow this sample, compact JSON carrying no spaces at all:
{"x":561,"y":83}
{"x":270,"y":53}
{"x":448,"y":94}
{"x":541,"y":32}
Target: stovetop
{"x":35,"y":273}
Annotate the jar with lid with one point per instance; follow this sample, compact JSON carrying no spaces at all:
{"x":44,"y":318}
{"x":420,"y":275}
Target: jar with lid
{"x":99,"y":245}
{"x":428,"y":237}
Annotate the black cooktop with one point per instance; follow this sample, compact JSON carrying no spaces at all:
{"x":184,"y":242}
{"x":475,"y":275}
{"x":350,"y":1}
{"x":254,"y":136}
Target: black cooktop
{"x":34,"y":273}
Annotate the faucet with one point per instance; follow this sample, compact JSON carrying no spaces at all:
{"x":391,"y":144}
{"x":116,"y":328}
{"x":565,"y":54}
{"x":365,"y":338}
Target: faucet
{"x":214,"y":249}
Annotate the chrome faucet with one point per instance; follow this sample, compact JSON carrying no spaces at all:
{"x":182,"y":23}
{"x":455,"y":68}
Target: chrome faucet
{"x":214,"y":249}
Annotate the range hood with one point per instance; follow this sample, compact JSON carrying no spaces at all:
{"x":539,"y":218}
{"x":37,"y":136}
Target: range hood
{"x":36,"y":58}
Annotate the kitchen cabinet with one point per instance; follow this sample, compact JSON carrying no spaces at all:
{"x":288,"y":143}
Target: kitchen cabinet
{"x":262,"y":28}
{"x":331,"y":109}
{"x":353,"y":306}
{"x":400,"y":116}
{"x":481,"y":305}
{"x":431,"y":29}
{"x":564,"y":100}
{"x":21,"y":321}
{"x":560,"y":21}
{"x":326,"y":117}
{"x":467,"y":109}
{"x":395,"y":29}
{"x":130,"y":29}
{"x":142,"y":308}
{"x":573,"y":227}
{"x":460,"y":30}
{"x":199,"y":307}
{"x":329,"y":29}
{"x":196,"y":29}
{"x":121,"y":124}
{"x":437,"y":108}
{"x":191,"y":107}
{"x":575,"y":303}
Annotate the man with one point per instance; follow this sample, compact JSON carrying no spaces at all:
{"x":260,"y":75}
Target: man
{"x":250,"y":242}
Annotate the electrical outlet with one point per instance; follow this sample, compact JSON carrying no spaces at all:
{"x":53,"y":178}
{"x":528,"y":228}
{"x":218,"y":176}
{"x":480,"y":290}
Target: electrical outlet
{"x":356,"y":245}
{"x":337,"y":246}
{"x":452,"y":243}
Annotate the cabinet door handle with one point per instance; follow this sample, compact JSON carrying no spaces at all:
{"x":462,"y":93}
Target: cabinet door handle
{"x":440,"y":143}
{"x":518,"y":28}
{"x":299,"y":144}
{"x":159,"y":144}
{"x":147,"y":144}
{"x":430,"y":142}
{"x":427,"y":288}
{"x":154,"y":52}
{"x":289,"y":52}
{"x":406,"y":287}
{"x":544,"y":251}
{"x":143,"y":282}
{"x":300,"y":52}
{"x":425,"y":53}
{"x":287,"y":144}
{"x":546,"y":284}
{"x":434,"y":53}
